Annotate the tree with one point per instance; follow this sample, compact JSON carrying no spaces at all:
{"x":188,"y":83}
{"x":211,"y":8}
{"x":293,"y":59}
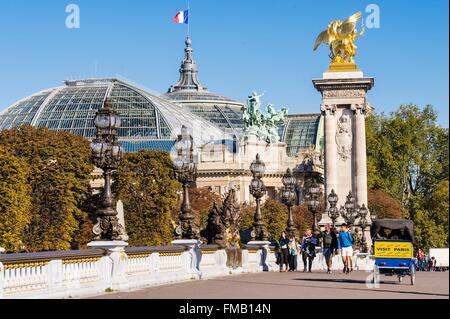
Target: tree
{"x":146,"y":184}
{"x":303,"y":219}
{"x":274,"y":215}
{"x":407,"y":153}
{"x":14,"y":200}
{"x":384,"y":205}
{"x":59,"y":176}
{"x":407,"y":158}
{"x":202,"y":201}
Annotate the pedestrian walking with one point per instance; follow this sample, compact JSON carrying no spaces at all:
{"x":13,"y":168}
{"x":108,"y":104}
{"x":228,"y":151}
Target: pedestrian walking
{"x":330,"y":245}
{"x":308,"y":249}
{"x":284,"y":252}
{"x":293,"y":253}
{"x":345,"y":245}
{"x":421,"y":260}
{"x":433,"y":264}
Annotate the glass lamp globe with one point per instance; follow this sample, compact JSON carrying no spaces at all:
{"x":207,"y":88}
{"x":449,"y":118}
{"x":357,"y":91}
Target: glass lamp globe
{"x":102,"y":121}
{"x":288,"y":180}
{"x":116,"y":151}
{"x":97,"y":148}
{"x":258,"y":167}
{"x":115,"y":121}
{"x":363,"y":211}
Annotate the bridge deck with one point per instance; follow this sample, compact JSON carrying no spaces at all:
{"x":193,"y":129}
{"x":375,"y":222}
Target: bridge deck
{"x":297,"y":285}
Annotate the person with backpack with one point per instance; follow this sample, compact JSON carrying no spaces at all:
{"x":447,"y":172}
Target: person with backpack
{"x":345,"y":245}
{"x":308,"y":248}
{"x":330,"y":245}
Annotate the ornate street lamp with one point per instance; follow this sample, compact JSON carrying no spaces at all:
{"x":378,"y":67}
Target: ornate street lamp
{"x":186,"y":173}
{"x":350,"y":213}
{"x":258,"y":190}
{"x":289,"y":198}
{"x":333,"y":211}
{"x":107,"y":155}
{"x":373,"y":216}
{"x":314,"y":204}
{"x":363,"y":222}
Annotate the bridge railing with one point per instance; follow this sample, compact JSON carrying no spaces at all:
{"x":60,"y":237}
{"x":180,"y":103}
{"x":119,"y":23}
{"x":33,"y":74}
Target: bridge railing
{"x":66,"y":274}
{"x":72,"y":274}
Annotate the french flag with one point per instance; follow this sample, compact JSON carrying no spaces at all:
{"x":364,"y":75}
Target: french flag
{"x":182,"y":17}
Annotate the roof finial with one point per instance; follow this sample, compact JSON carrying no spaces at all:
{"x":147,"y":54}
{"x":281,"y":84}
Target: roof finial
{"x":188,"y":72}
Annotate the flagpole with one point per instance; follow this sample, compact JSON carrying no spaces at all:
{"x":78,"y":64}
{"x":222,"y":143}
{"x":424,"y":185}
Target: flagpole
{"x":189,"y":18}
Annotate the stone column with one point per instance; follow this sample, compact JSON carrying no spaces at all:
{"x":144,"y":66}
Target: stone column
{"x":330,"y":154}
{"x":360,"y":154}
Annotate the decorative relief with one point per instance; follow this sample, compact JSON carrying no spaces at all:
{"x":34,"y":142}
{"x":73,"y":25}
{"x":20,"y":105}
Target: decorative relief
{"x":328,"y":109}
{"x":359,"y":108}
{"x":344,"y":93}
{"x":344,"y":137}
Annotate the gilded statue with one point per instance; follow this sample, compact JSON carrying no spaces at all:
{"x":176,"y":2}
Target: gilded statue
{"x":340,"y":37}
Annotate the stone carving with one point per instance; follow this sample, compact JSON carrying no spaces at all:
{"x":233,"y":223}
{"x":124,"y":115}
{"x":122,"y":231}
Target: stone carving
{"x":357,"y":239}
{"x":344,"y":137}
{"x":328,"y":109}
{"x":359,"y":108}
{"x":224,"y":222}
{"x":313,"y":158}
{"x":344,"y":93}
{"x":264,"y":127}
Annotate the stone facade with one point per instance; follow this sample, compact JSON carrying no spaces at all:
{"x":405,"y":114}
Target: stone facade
{"x":220,"y":169}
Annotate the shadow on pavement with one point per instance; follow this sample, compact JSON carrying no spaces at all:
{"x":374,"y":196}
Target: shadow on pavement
{"x":343,"y":281}
{"x":349,"y":281}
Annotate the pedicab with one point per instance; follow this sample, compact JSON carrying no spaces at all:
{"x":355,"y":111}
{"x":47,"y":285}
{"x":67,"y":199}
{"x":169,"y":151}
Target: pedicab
{"x":393,"y":241}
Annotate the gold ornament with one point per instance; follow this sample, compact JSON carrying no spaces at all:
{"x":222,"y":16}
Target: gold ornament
{"x":341,"y":37}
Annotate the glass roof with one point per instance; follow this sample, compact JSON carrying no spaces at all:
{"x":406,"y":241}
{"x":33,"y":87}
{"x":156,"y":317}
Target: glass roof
{"x":300,"y":132}
{"x":73,"y":107}
{"x":24,"y":111}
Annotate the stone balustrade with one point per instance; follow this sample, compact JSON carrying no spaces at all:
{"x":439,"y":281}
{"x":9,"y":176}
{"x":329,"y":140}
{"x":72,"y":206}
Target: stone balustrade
{"x":75,"y":274}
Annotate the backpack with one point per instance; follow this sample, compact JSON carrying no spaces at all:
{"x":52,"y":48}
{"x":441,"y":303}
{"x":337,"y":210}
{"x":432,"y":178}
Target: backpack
{"x":327,"y":239}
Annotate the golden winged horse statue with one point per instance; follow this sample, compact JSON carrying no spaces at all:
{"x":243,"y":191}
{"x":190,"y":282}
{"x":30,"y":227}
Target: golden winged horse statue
{"x":340,"y":37}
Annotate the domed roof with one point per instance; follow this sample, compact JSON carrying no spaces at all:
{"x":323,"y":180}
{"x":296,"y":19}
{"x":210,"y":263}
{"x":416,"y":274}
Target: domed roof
{"x":148,"y":121}
{"x":188,"y":92}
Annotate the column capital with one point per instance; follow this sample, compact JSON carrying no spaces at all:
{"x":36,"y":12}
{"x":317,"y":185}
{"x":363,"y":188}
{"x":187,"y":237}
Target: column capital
{"x":328,"y":109}
{"x":359,"y":108}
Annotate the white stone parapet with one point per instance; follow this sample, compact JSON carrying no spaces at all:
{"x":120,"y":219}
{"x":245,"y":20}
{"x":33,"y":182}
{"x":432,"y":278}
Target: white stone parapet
{"x":84,"y":273}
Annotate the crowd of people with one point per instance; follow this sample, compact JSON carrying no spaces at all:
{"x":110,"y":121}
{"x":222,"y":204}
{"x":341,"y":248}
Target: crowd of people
{"x":425,"y":262}
{"x":333,"y":242}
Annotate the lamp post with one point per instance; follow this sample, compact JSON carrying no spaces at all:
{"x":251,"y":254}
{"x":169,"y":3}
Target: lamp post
{"x":350,"y":213}
{"x":314,"y":204}
{"x":289,"y":198}
{"x":186,"y":173}
{"x":333,"y":211}
{"x":258,"y":190}
{"x":107,"y":155}
{"x":363,"y":222}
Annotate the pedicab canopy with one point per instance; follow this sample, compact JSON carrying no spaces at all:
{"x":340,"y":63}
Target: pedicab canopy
{"x":393,"y":229}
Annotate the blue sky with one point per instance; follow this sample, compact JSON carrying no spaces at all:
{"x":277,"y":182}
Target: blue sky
{"x":240,"y":46}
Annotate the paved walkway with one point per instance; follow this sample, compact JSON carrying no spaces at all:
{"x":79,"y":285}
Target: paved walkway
{"x":297,"y":285}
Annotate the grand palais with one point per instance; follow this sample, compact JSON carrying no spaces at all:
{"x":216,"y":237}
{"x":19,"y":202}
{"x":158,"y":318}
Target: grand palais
{"x":152,"y":122}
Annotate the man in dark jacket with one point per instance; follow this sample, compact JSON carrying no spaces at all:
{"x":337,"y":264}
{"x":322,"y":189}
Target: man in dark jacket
{"x":308,"y":249}
{"x":330,"y":245}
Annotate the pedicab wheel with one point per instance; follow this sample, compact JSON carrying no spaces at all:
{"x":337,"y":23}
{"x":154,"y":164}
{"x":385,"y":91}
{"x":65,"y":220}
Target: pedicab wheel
{"x":413,"y":275}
